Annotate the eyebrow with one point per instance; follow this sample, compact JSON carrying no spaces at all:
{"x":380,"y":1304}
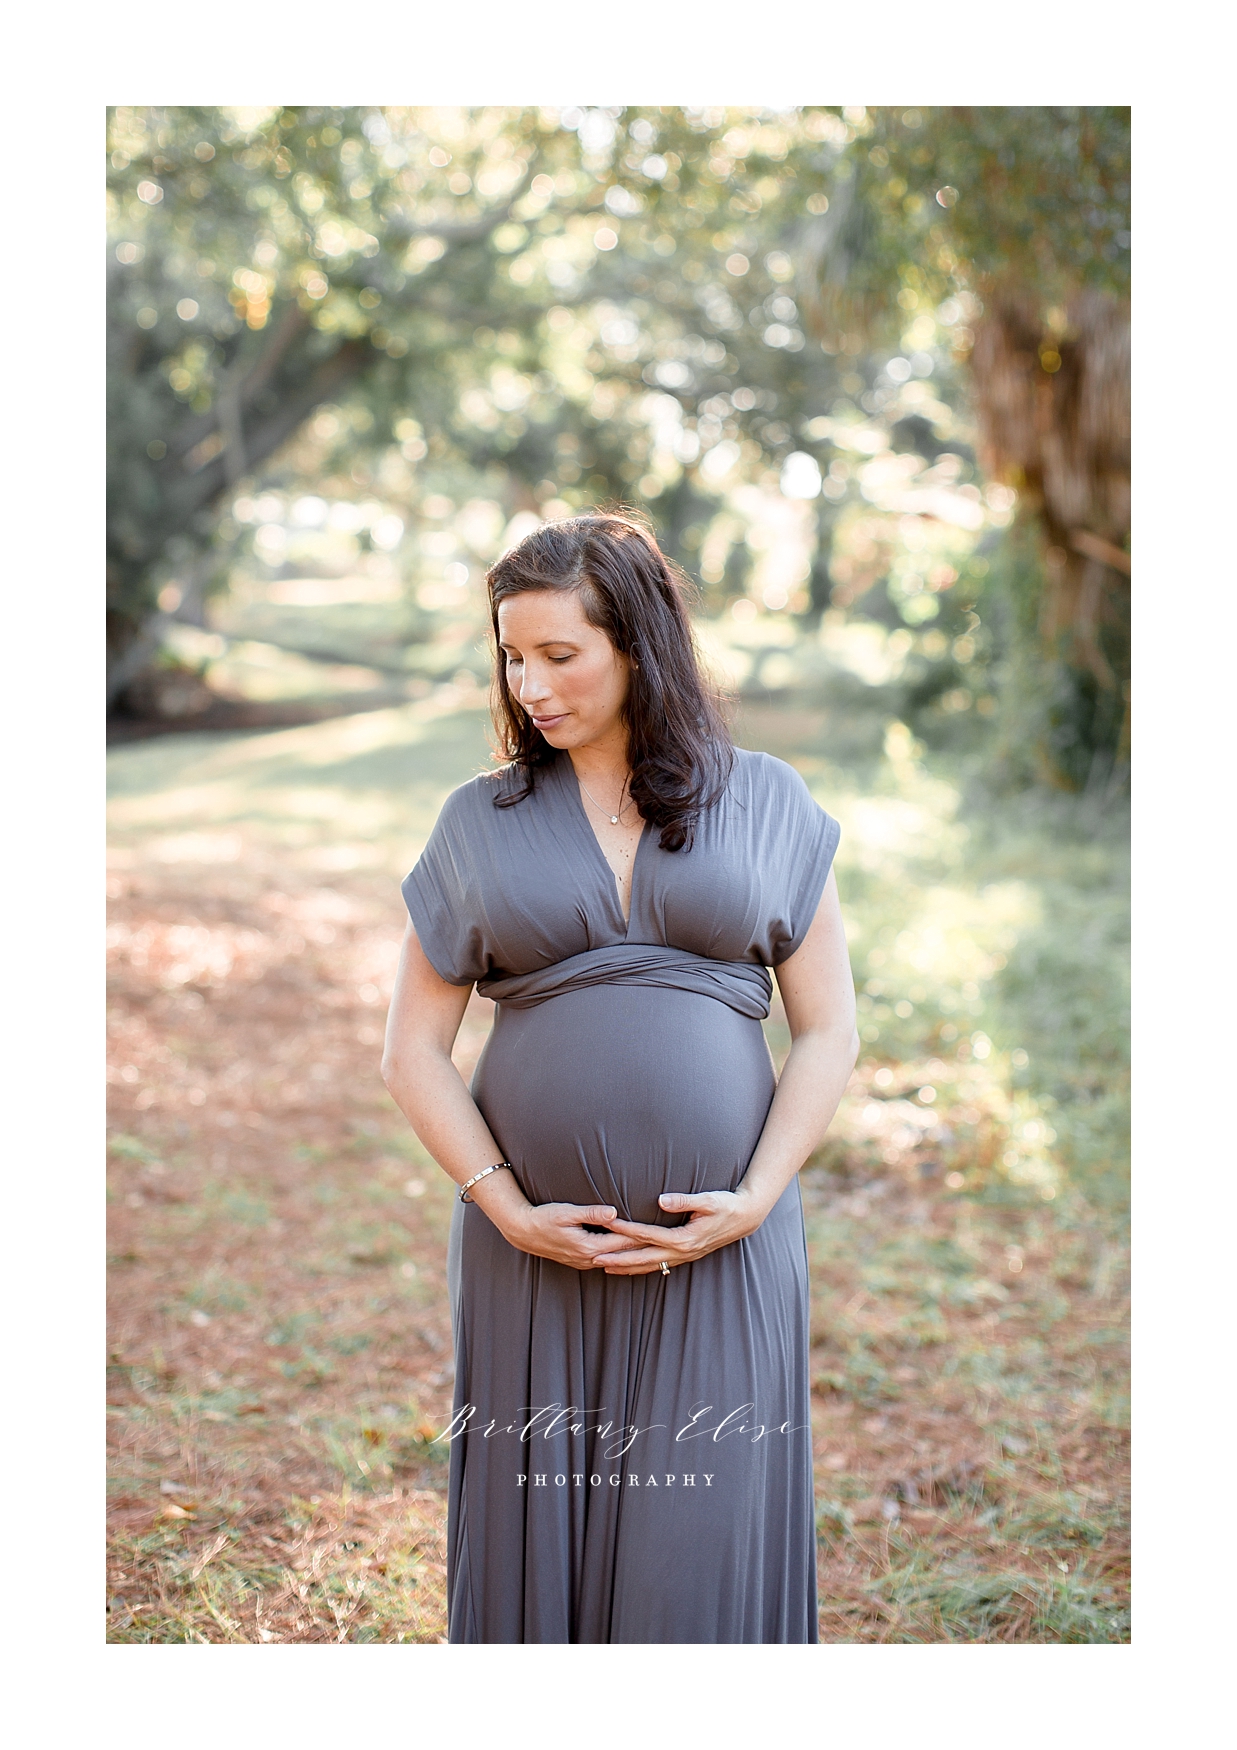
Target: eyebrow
{"x":544,"y":645}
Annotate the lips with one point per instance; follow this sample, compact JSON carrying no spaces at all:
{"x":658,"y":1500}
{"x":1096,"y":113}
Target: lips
{"x":549,"y":722}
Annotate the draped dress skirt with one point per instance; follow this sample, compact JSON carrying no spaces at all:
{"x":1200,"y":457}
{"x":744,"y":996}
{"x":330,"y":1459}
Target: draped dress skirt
{"x":630,"y":1456}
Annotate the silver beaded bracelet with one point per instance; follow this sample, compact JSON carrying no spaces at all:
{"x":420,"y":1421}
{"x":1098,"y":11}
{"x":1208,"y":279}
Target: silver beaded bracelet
{"x":469,"y":1183}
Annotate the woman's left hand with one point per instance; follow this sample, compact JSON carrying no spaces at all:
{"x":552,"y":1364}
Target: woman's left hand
{"x":715,"y":1218}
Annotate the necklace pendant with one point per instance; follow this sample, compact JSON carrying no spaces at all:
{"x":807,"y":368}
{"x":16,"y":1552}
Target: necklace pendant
{"x":614,"y":820}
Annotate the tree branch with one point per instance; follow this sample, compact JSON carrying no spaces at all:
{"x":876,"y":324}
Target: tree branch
{"x":1095,"y":547}
{"x":136,"y":656}
{"x":474,"y":229}
{"x":245,"y":380}
{"x":262,"y":440}
{"x":315,"y":653}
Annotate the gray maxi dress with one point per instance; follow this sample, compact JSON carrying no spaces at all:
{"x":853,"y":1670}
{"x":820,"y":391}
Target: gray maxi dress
{"x":631,"y":1457}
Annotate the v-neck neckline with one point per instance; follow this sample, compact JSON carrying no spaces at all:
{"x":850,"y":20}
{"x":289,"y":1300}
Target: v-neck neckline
{"x":567,"y":778}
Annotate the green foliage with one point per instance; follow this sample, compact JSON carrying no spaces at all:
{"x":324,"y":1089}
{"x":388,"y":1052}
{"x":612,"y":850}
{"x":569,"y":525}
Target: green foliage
{"x":430,"y":268}
{"x":393,"y":308}
{"x":1037,"y":196}
{"x":493,"y":286}
{"x":1057,"y":726}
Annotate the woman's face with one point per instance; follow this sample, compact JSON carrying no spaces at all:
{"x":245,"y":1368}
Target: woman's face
{"x":563,"y":671}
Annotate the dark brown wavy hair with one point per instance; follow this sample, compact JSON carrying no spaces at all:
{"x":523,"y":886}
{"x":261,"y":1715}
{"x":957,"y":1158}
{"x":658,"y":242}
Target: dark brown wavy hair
{"x":678,"y":746}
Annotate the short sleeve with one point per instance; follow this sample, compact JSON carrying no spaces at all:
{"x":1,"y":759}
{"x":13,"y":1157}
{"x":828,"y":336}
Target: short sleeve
{"x":800,"y":842}
{"x":440,"y":892}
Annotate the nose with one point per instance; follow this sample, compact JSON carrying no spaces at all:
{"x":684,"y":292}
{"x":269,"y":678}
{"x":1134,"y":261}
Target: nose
{"x":533,"y":688}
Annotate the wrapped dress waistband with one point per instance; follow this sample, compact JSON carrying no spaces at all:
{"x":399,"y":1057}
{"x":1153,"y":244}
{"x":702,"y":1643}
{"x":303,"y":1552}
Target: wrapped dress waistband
{"x":742,"y":985}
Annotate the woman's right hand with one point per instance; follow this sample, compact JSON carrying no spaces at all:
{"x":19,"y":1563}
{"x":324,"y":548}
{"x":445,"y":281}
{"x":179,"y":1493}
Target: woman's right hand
{"x":558,"y":1231}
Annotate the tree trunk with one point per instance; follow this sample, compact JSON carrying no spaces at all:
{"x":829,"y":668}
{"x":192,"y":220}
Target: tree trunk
{"x":237,"y":437}
{"x":1054,"y":419}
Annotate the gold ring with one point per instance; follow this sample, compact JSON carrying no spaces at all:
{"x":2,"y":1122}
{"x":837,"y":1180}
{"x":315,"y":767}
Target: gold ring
{"x":664,"y":1267}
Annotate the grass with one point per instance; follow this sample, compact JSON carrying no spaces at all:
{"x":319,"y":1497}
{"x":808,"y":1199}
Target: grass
{"x":338,"y":1569}
{"x":280,"y":1345}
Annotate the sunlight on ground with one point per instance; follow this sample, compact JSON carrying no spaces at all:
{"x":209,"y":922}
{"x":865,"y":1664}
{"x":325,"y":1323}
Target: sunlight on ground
{"x":362,"y":792}
{"x":280,"y":1337}
{"x":352,"y":792}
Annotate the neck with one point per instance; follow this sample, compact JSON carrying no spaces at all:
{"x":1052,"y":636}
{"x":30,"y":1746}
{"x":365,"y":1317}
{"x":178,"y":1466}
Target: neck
{"x":601,"y":763}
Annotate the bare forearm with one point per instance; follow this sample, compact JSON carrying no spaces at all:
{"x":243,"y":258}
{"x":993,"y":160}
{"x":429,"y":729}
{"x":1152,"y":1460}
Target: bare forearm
{"x":430,"y":1092}
{"x":809,"y":1091}
{"x":422,"y":1025}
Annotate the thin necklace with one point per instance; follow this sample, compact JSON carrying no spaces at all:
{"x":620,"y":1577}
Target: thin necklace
{"x":614,"y":818}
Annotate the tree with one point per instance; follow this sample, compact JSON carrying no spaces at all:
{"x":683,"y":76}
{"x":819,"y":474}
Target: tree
{"x":622,"y":303}
{"x":432,"y":263}
{"x":1026,"y":214}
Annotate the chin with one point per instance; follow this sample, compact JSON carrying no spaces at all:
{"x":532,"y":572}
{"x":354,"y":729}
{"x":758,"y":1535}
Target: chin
{"x":562,"y":735}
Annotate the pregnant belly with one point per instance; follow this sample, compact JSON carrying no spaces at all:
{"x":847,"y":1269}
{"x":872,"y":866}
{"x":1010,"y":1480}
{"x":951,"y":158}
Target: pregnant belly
{"x":616,"y":1093}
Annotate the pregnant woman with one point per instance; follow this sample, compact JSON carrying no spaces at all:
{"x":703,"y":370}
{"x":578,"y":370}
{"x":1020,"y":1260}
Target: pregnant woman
{"x":631,"y":1451}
